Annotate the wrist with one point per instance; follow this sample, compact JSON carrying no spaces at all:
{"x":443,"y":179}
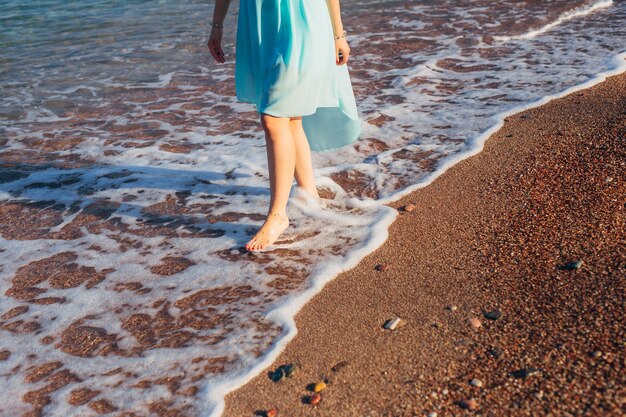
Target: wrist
{"x":341,"y":35}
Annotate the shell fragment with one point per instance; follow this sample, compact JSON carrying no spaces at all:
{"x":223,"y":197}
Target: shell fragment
{"x":393,"y":323}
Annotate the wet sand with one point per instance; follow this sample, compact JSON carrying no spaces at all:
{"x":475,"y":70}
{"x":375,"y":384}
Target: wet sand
{"x":490,"y":239}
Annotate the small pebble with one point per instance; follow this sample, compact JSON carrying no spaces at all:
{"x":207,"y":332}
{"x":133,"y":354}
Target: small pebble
{"x":381,"y":267}
{"x":339,"y":366}
{"x":272,"y":412}
{"x":493,"y":314}
{"x":469,"y":404}
{"x":495,"y":352}
{"x":573,"y":265}
{"x":315,"y":399}
{"x":475,"y":323}
{"x":409,"y":207}
{"x":290,"y":369}
{"x":434,"y":394}
{"x":445,"y":391}
{"x":476,"y":382}
{"x":596,"y":354}
{"x":524,"y":372}
{"x":539,"y":394}
{"x":319,"y":387}
{"x":453,"y":308}
{"x":608,"y":179}
{"x":278,"y":374}
{"x":433,"y":414}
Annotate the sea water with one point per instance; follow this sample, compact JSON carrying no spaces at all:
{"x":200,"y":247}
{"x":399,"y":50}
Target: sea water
{"x":131,"y":177}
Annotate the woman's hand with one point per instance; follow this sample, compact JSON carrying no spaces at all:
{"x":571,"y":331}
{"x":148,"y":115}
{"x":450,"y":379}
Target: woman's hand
{"x":215,"y":44}
{"x":341,"y":45}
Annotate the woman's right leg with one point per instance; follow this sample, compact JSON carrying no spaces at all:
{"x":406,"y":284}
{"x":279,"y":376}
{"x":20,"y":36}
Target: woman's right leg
{"x":281,"y":158}
{"x":304,"y":166}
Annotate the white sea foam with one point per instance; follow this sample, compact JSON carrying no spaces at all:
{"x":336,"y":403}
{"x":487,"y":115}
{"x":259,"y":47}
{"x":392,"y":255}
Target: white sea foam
{"x":576,"y":13}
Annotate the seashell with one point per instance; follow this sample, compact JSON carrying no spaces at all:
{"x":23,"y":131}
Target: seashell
{"x":408,"y":207}
{"x":320,"y":386}
{"x":272,"y":412}
{"x":392,"y":323}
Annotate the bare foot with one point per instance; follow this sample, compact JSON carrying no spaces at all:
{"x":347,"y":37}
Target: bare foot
{"x":274,"y":225}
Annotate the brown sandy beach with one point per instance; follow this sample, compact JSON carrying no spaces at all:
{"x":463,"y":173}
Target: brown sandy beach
{"x":491,"y":235}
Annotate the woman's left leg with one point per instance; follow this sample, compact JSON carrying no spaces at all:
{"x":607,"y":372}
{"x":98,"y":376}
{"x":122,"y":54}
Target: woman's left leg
{"x":304,"y":165}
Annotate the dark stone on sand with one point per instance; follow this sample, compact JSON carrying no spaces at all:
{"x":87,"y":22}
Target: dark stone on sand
{"x":493,"y":314}
{"x":339,"y":366}
{"x":277,"y":375}
{"x":525,"y":372}
{"x":495,"y":352}
{"x":283,"y":371}
{"x":289,"y":369}
{"x":381,"y":267}
{"x":572,"y":265}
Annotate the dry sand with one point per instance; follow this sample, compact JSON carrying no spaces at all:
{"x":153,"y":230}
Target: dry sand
{"x":491,"y":233}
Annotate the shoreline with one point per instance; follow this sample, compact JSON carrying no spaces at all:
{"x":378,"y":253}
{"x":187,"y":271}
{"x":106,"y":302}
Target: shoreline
{"x":463,"y":212}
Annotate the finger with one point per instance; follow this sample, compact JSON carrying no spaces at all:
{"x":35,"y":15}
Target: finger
{"x":346,"y":56}
{"x":214,"y":53}
{"x":337,"y":55}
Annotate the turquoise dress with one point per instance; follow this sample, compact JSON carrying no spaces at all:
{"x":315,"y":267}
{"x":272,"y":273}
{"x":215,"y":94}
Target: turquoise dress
{"x":285,"y":65}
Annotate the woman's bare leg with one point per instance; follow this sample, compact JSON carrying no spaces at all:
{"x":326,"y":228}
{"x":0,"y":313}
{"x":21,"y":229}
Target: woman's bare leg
{"x":304,"y":166}
{"x":281,"y":159}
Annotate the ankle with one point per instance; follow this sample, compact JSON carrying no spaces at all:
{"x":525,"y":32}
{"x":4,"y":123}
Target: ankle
{"x":279,"y":214}
{"x":310,"y":190}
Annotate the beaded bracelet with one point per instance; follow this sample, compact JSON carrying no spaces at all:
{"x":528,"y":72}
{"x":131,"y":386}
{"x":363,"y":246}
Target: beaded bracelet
{"x":217,"y":25}
{"x":343,"y":35}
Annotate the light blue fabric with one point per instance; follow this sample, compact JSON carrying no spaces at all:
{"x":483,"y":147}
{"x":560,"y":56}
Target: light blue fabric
{"x":285,"y":65}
